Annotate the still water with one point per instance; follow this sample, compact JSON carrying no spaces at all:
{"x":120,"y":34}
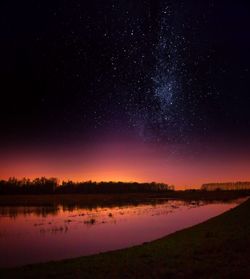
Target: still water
{"x":40,"y":234}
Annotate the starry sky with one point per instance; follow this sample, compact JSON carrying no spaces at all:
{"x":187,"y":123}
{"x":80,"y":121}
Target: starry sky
{"x":125,"y":90}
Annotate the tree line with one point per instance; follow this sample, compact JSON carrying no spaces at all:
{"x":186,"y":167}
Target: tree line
{"x":45,"y":185}
{"x":235,"y":186}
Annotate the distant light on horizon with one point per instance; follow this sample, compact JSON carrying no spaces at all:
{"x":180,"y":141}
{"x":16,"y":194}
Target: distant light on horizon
{"x":127,"y":161}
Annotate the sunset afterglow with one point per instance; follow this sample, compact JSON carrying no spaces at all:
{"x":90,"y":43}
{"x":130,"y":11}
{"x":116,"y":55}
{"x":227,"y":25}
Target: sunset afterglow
{"x":128,"y":161}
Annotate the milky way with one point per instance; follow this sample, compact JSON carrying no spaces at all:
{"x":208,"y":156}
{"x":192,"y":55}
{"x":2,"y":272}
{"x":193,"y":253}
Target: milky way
{"x":165,"y":71}
{"x":167,"y":80}
{"x":161,"y":81}
{"x":162,"y":116}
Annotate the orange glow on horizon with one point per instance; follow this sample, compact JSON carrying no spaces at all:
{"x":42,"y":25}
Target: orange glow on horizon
{"x":127,"y":162}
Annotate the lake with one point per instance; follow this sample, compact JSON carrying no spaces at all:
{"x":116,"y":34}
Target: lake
{"x":33,"y":234}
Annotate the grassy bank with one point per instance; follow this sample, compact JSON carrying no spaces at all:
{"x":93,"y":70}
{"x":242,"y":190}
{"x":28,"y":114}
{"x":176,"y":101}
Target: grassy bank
{"x":218,"y":248}
{"x":92,"y":200}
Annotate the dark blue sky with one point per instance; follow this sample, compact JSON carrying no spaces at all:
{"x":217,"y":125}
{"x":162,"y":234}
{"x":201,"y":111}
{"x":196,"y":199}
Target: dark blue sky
{"x":163,"y":71}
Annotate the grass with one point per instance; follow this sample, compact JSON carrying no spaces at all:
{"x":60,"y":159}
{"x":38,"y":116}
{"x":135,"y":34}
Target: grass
{"x":218,"y":248}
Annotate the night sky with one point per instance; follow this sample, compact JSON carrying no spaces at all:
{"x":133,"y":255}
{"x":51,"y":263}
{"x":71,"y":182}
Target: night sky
{"x":145,"y":90}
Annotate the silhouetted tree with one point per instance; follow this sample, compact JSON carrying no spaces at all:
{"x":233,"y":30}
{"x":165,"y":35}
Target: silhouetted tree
{"x":45,"y":185}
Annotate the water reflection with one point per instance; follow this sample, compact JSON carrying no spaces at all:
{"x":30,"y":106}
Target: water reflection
{"x":61,"y":231}
{"x":14,"y":211}
{"x":44,"y":211}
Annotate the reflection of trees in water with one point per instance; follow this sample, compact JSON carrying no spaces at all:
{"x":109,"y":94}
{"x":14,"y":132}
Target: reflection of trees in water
{"x":44,"y":211}
{"x":111,"y":204}
{"x":40,"y":211}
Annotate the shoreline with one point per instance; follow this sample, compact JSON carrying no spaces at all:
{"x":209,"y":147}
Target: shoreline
{"x":93,"y":200}
{"x":204,"y":250}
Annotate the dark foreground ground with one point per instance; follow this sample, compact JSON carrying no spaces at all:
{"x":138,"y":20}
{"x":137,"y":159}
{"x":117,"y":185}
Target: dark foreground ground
{"x":218,"y":248}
